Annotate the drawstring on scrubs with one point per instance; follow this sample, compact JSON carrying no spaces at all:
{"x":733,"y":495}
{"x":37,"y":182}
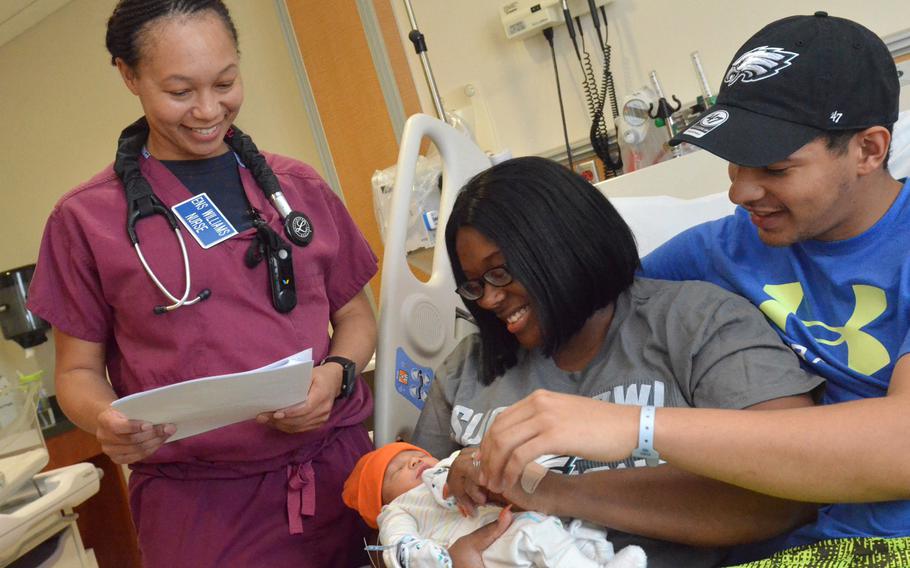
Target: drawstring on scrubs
{"x":301,"y":495}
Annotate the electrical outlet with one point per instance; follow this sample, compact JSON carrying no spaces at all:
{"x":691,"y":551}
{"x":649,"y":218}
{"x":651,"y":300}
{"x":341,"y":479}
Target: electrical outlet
{"x":588,"y":170}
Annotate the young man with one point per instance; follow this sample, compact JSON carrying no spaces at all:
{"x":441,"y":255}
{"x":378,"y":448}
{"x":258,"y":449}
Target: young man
{"x":821,"y":244}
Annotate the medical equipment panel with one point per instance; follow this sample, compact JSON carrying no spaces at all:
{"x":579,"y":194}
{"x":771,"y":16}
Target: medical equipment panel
{"x":521,"y":18}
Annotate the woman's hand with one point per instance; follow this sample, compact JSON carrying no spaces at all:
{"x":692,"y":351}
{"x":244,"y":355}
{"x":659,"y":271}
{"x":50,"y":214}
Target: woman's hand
{"x":467,"y":551}
{"x":552,"y":423}
{"x":127,"y":441}
{"x":462,"y":481}
{"x":315,"y":410}
{"x":353,"y":337}
{"x":85,"y":396}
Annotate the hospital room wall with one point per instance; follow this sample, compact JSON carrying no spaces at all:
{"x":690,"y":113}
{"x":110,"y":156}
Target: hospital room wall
{"x":467,"y":45}
{"x":63,"y":106}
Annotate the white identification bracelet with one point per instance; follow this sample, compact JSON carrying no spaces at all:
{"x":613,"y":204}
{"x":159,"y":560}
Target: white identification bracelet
{"x":645,"y":447}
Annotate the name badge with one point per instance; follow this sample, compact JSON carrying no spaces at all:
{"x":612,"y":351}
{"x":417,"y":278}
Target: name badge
{"x":204,"y":220}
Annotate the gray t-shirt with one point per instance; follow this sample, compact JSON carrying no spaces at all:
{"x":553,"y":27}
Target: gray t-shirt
{"x":669,"y":344}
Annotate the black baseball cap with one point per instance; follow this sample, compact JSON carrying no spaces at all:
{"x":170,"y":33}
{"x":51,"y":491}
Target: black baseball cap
{"x":790,"y":83}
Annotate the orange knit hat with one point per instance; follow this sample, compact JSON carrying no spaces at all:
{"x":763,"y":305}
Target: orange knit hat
{"x":363,"y":488}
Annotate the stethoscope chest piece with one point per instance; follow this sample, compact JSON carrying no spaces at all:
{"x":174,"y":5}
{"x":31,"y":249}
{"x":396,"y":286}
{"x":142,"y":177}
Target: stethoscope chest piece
{"x":298,"y":228}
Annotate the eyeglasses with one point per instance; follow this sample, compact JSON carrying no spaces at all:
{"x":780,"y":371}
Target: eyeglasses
{"x":498,"y":276}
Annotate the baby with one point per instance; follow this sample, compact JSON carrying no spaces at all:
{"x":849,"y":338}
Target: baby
{"x":400,"y":489}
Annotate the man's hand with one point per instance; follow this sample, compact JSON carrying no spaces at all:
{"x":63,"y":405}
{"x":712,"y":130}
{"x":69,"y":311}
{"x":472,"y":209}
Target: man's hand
{"x":467,"y":551}
{"x":553,"y":423}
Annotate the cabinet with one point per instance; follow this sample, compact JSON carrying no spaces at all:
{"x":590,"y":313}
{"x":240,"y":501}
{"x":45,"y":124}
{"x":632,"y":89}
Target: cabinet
{"x":104,"y":520}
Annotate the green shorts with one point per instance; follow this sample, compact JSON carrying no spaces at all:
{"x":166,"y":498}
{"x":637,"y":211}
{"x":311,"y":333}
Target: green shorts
{"x":841,"y":553}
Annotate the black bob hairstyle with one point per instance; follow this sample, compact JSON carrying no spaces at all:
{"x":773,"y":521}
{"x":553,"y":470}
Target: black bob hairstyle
{"x":126,"y":25}
{"x":561,"y":239}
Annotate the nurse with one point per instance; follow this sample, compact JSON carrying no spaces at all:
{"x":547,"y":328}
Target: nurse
{"x":259,"y":493}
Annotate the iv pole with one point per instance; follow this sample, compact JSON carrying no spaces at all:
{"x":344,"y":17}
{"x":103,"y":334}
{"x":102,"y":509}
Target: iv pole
{"x":420,"y":47}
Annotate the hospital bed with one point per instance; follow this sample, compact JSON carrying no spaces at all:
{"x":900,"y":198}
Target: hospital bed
{"x":421,"y":322}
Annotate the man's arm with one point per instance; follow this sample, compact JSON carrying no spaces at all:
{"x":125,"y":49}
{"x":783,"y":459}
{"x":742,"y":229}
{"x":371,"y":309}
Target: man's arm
{"x":854,"y":451}
{"x":670,"y":504}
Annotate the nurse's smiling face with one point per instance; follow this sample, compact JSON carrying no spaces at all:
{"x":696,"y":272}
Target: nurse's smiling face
{"x":511,"y":303}
{"x":188,"y":82}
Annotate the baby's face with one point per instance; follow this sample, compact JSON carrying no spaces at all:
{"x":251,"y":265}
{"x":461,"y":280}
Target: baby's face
{"x":403,"y":473}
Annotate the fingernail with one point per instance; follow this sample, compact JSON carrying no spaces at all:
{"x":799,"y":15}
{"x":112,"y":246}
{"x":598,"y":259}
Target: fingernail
{"x":146,"y":426}
{"x":278,"y":415}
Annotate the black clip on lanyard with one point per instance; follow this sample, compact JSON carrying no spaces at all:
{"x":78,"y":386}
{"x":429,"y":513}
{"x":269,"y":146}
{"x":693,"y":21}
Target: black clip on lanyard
{"x":269,"y":245}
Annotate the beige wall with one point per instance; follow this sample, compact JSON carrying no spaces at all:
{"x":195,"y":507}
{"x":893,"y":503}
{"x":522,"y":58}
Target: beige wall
{"x":62,"y":106}
{"x":466,"y":44}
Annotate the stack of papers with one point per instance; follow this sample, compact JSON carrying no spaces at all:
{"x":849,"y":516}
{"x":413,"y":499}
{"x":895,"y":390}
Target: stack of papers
{"x":201,"y":405}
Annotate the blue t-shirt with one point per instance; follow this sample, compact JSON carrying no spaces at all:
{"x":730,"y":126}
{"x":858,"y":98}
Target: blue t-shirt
{"x":842,"y":306}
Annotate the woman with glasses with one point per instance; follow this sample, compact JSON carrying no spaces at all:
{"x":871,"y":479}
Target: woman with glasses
{"x":547,"y":267}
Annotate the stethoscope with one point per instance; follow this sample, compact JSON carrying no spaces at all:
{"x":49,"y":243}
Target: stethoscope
{"x":268,"y":244}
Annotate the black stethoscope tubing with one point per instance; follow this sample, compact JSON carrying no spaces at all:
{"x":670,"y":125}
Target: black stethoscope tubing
{"x":142,"y":202}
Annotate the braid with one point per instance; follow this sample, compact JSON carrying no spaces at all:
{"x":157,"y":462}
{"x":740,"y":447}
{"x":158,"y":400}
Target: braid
{"x":130,"y":17}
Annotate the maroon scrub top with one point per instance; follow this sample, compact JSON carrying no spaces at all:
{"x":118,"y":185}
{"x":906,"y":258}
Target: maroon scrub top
{"x":193,"y":499}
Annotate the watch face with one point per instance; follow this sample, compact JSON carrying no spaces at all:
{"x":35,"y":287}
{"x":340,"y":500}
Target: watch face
{"x":347,"y":383}
{"x":348,"y":375}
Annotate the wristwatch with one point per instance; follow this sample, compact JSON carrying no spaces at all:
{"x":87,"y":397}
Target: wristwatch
{"x":348,"y":373}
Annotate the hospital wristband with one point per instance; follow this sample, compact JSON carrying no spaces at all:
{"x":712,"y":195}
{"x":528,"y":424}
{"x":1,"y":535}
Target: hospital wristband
{"x":645,"y":449}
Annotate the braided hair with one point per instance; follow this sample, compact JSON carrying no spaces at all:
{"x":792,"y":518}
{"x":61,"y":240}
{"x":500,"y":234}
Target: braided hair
{"x":132,"y":17}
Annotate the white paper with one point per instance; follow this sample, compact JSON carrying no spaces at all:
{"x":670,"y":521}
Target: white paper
{"x":204,"y":404}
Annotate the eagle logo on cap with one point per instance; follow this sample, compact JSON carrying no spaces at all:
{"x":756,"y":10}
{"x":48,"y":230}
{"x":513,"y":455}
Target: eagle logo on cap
{"x":759,"y":63}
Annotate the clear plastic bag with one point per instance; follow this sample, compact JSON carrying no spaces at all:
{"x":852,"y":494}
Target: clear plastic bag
{"x":423,"y":210}
{"x":899,"y":162}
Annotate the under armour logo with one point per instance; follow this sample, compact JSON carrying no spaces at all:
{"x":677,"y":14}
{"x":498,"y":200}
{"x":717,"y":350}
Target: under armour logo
{"x":835,"y":116}
{"x":758,"y":64}
{"x":865,"y":353}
